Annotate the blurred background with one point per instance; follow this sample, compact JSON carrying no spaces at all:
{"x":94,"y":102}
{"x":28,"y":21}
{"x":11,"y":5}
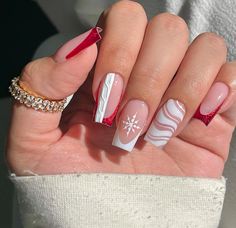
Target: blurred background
{"x":36,"y":28}
{"x":24,"y":27}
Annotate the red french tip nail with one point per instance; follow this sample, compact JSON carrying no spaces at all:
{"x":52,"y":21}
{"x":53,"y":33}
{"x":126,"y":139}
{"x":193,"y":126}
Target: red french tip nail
{"x":93,"y":37}
{"x":109,"y":120}
{"x":206,"y":119}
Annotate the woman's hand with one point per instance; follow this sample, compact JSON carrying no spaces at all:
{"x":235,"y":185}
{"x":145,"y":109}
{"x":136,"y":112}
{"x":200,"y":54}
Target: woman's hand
{"x":159,"y":77}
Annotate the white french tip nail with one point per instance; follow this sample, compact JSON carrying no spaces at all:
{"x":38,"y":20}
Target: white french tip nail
{"x":131,"y":123}
{"x":128,"y":147}
{"x":165,"y":123}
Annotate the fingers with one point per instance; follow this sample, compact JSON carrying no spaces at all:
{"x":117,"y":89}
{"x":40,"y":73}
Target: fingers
{"x":54,"y":78}
{"x":123,"y":33}
{"x":195,"y":76}
{"x":164,"y":46}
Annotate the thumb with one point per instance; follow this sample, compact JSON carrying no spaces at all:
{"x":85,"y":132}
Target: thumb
{"x":62,"y":74}
{"x":55,"y":78}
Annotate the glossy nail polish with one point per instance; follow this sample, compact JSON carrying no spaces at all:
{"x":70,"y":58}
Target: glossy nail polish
{"x":90,"y":38}
{"x":76,"y":45}
{"x":131,"y":123}
{"x":165,"y":123}
{"x":108,"y":99}
{"x":212,"y":102}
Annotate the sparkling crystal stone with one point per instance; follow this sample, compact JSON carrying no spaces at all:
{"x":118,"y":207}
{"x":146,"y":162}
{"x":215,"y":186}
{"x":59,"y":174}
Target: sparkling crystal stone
{"x":55,"y":107}
{"x":45,"y":104}
{"x":37,"y":103}
{"x":50,"y":106}
{"x":29,"y":100}
{"x":21,"y":97}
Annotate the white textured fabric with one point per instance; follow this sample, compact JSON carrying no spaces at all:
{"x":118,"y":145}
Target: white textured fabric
{"x":115,"y":201}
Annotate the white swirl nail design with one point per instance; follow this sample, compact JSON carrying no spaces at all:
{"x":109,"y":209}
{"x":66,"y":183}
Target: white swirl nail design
{"x":165,"y":123}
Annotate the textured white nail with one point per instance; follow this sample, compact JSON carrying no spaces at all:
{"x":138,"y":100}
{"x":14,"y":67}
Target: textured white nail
{"x":165,"y":123}
{"x":108,"y":99}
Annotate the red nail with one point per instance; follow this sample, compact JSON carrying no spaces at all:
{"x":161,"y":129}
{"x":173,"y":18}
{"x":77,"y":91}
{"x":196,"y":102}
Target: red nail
{"x":212,"y":103}
{"x":92,"y":37}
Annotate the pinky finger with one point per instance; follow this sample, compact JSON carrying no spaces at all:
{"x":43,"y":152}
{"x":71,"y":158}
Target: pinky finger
{"x":221,"y":98}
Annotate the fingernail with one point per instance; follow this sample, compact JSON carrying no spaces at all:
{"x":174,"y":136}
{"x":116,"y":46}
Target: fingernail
{"x":108,"y":99}
{"x":131,"y":122}
{"x":212,"y":102}
{"x":165,"y":123}
{"x":79,"y":43}
{"x":68,"y":100}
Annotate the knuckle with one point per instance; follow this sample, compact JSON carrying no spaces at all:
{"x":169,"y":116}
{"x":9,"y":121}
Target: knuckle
{"x":127,"y":8}
{"x":123,"y":60}
{"x":170,"y":22}
{"x":36,"y":67}
{"x":215,"y":41}
{"x":150,"y":76}
{"x":193,"y":84}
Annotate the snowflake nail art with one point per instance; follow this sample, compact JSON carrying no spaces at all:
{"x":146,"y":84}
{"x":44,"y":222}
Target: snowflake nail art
{"x":131,"y":124}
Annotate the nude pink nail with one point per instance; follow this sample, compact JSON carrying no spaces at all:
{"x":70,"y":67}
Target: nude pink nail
{"x":76,"y":45}
{"x":212,"y":102}
{"x":108,"y":99}
{"x":131,"y":122}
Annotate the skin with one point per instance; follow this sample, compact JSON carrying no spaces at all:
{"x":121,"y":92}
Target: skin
{"x":45,"y":143}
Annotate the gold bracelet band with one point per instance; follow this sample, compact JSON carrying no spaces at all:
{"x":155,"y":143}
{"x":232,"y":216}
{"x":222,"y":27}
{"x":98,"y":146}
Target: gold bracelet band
{"x":31,"y":100}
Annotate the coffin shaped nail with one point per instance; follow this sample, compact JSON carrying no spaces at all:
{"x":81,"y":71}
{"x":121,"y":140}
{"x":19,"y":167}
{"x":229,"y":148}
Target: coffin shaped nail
{"x":108,"y":99}
{"x":131,"y":122}
{"x":212,"y":102}
{"x":165,"y":123}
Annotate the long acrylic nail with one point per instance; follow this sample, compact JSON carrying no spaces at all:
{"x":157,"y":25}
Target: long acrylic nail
{"x":108,"y":99}
{"x":212,"y":102}
{"x":131,"y":122}
{"x":165,"y":123}
{"x":76,"y":45}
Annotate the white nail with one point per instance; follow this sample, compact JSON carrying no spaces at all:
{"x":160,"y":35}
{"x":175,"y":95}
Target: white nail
{"x":165,"y":123}
{"x":103,"y":99}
